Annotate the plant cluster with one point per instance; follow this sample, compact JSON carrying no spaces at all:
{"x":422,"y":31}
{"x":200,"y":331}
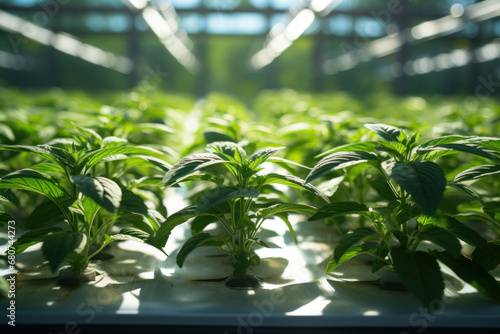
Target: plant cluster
{"x":233,"y":202}
{"x":412,"y":188}
{"x":77,"y":180}
{"x":101,"y":172}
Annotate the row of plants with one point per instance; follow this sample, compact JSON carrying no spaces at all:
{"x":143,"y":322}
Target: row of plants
{"x":78,"y":176}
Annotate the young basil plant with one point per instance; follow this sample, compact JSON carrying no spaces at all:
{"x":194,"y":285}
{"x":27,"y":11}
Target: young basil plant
{"x":233,"y":203}
{"x":88,"y":204}
{"x":417,"y":185}
{"x":485,"y":208}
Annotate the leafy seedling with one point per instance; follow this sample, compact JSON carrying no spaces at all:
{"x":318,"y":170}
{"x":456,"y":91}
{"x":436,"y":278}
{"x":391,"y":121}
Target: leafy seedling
{"x":70,"y":178}
{"x":233,"y":202}
{"x":399,"y":229}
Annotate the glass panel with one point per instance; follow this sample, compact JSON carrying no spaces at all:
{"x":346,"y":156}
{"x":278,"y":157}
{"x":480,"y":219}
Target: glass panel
{"x":236,"y":23}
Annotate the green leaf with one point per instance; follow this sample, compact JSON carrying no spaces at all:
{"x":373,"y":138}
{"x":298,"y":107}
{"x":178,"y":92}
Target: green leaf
{"x":285,"y":163}
{"x":424,"y":181}
{"x":116,"y":237}
{"x":4,"y":199}
{"x":146,"y":181}
{"x":298,"y":129}
{"x":493,"y":144}
{"x":442,"y":238}
{"x":381,"y":186}
{"x":330,"y":187}
{"x":188,"y":165}
{"x":387,"y":132}
{"x":138,"y":221}
{"x":48,"y":167}
{"x":155,"y":217}
{"x":350,"y":239}
{"x":136,"y":233}
{"x":4,"y":218}
{"x":155,"y":127}
{"x":395,"y":148}
{"x":90,"y":209}
{"x":403,"y":138}
{"x":113,"y":141}
{"x":103,"y":191}
{"x":467,"y":216}
{"x":45,"y":213}
{"x":367,"y":146}
{"x":223,"y":194}
{"x":4,"y":287}
{"x":30,"y":180}
{"x":492,"y":208}
{"x":412,"y":142}
{"x":90,"y":135}
{"x":47,"y":152}
{"x":486,"y":153}
{"x":464,"y":189}
{"x":340,"y":160}
{"x":285,"y":207}
{"x":461,"y":231}
{"x":239,"y":156}
{"x":349,"y":254}
{"x":443,"y":140}
{"x":472,"y":273}
{"x":172,"y":221}
{"x":33,"y":237}
{"x":131,"y":202}
{"x":477,"y":172}
{"x":245,"y":223}
{"x":430,"y":154}
{"x":214,"y":136}
{"x":94,"y":157}
{"x":420,"y":274}
{"x":284,"y":217}
{"x":226,"y":147}
{"x":261,"y":243}
{"x":488,"y":256}
{"x":339,"y":209}
{"x":7,"y":132}
{"x":199,"y":223}
{"x":261,"y":156}
{"x":197,"y":240}
{"x":294,"y":182}
{"x":9,"y":196}
{"x":126,"y":237}
{"x":57,"y":246}
{"x":381,"y":253}
{"x":138,"y":160}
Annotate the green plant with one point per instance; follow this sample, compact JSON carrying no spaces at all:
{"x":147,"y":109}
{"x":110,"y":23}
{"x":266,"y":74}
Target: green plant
{"x":86,"y":185}
{"x":236,"y":202}
{"x":414,"y":187}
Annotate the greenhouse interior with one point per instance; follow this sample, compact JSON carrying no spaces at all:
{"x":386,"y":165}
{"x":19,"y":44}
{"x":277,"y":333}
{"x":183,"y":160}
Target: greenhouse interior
{"x":250,"y":166}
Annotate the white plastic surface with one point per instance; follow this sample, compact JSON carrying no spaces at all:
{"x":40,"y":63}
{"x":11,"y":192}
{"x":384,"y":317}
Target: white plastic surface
{"x":141,"y":286}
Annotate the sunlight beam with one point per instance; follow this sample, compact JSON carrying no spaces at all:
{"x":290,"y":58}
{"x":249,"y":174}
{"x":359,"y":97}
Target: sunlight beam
{"x":421,"y":32}
{"x":64,"y":43}
{"x":281,"y":38}
{"x":163,"y":23}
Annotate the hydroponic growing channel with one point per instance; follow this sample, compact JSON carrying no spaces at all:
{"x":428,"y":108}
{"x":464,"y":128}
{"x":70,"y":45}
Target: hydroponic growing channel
{"x":377,"y":226}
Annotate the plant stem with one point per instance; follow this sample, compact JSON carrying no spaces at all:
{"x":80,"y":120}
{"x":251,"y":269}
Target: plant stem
{"x":380,"y":258}
{"x":226,"y":224}
{"x":394,"y":191}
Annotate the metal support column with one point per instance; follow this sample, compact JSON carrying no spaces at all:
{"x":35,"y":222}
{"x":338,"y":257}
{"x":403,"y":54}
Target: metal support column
{"x":133,"y":44}
{"x":402,"y":83}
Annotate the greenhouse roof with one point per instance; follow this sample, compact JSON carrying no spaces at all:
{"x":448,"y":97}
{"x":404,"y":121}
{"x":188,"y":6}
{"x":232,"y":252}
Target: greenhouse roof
{"x":341,"y":34}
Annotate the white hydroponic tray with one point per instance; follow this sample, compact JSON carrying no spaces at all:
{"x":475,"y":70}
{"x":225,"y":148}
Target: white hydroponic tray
{"x":141,"y":286}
